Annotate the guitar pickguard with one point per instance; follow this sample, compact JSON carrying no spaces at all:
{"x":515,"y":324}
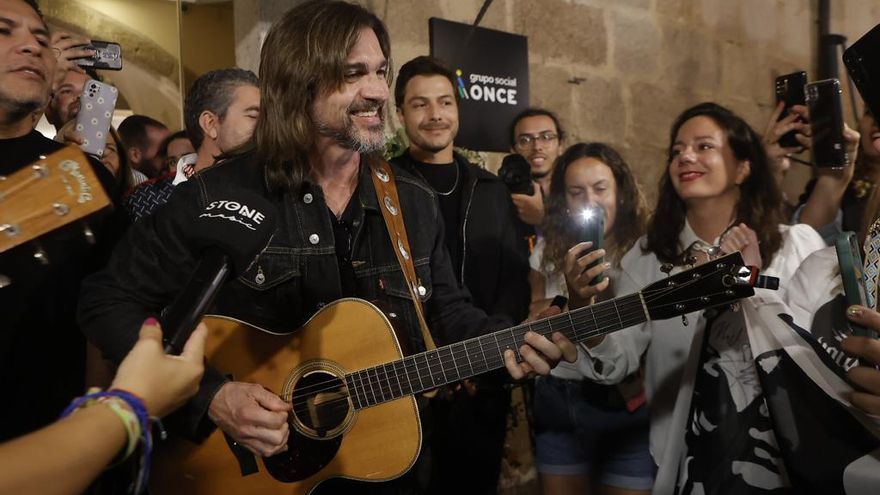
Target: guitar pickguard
{"x":304,"y":457}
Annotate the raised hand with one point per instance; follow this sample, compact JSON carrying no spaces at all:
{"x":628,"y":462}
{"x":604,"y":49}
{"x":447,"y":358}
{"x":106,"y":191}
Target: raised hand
{"x":743,"y":239}
{"x":163,"y":382}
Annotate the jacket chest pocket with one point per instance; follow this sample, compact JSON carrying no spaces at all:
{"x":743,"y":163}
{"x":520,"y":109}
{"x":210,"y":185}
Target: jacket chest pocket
{"x":394,"y":283}
{"x":271,"y":269}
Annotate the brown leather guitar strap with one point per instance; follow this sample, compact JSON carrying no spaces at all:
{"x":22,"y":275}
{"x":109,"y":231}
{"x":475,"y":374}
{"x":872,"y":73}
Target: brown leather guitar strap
{"x":386,"y":192}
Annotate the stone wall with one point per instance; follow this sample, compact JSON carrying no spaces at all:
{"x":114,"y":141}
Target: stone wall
{"x":619,"y":71}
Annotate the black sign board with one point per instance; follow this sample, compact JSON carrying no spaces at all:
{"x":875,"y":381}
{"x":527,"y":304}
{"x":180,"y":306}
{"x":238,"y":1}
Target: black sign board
{"x":492,"y":69}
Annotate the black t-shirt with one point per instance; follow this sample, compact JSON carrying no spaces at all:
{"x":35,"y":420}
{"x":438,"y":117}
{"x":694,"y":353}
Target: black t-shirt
{"x":344,"y":229}
{"x":42,"y":359}
{"x":447,"y":180}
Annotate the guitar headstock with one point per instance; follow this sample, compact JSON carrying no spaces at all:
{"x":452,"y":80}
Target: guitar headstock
{"x":56,"y":190}
{"x":718,"y":282}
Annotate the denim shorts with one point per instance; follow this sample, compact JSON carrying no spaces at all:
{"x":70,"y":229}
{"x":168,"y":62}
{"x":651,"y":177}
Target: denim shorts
{"x":578,"y":432}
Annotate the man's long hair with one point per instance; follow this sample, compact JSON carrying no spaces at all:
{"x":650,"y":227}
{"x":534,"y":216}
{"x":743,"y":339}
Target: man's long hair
{"x":303,"y":56}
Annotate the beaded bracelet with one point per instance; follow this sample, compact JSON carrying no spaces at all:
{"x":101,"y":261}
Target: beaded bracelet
{"x":134,"y":416}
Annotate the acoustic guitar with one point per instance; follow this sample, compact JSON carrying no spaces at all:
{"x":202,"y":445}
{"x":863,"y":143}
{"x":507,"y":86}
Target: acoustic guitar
{"x":354,"y":414}
{"x":54,"y":191}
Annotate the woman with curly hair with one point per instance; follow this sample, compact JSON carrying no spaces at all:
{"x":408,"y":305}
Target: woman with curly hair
{"x":590,"y":438}
{"x":710,"y":431}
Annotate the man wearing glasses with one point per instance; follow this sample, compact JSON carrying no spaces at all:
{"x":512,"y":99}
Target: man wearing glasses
{"x":536,"y":135}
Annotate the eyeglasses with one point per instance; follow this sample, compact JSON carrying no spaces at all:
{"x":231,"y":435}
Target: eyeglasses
{"x":527,"y":140}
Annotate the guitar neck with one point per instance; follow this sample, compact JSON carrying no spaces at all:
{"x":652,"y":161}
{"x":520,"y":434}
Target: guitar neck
{"x":431,"y":369}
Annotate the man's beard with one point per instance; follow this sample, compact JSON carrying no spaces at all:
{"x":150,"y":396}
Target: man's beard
{"x":17,"y":108}
{"x":433,"y":147}
{"x":347,"y":134}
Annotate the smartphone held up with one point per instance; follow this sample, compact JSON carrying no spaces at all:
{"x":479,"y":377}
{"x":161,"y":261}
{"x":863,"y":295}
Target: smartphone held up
{"x":96,"y":106}
{"x":826,"y":124}
{"x":107,"y":56}
{"x":790,"y":91}
{"x":589,"y":226}
{"x":862,"y":60}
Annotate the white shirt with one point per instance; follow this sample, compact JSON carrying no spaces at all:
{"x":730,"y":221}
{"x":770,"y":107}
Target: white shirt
{"x":555,"y":285}
{"x":668,"y":343}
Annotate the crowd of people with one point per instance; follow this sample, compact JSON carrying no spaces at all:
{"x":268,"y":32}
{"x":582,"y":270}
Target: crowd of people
{"x":624,"y":413}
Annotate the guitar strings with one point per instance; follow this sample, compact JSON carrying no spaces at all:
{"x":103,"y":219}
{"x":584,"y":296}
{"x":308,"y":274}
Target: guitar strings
{"x":387,"y":383}
{"x":467,"y":348}
{"x":382,"y":386}
{"x":385,"y":386}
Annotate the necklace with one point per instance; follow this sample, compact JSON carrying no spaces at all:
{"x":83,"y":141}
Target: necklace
{"x":454,"y":184}
{"x":712,"y":251}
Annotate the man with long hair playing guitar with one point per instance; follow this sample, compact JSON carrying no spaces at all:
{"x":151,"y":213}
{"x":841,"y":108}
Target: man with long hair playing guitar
{"x":315,"y":155}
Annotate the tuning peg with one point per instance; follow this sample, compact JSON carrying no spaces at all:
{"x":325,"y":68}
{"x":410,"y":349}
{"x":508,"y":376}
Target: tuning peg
{"x":41,"y":255}
{"x":666,"y":268}
{"x":691,"y":261}
{"x":684,"y":320}
{"x":89,"y":234}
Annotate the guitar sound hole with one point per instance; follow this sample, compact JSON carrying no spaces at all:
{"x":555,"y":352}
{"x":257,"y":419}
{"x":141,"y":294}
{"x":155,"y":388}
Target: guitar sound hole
{"x":320,"y":403}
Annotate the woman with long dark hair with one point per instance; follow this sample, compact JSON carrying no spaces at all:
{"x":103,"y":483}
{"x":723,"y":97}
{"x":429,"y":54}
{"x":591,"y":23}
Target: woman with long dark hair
{"x":709,"y":422}
{"x":590,"y":438}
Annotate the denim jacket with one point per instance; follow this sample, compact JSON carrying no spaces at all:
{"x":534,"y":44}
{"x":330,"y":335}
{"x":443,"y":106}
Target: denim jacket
{"x":293,"y":277}
{"x":495,"y":260}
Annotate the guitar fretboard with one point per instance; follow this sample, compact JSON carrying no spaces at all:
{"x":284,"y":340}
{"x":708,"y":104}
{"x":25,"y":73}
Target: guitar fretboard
{"x":448,"y":364}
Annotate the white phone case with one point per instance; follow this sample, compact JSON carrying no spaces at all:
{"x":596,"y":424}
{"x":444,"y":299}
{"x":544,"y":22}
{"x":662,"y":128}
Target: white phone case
{"x":96,"y":106}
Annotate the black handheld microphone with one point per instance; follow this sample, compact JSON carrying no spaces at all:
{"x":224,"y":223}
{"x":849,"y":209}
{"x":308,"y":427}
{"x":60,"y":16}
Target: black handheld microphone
{"x":226,"y":236}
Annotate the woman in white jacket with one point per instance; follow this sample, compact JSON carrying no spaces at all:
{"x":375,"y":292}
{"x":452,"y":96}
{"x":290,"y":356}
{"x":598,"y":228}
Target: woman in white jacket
{"x":718,"y":196}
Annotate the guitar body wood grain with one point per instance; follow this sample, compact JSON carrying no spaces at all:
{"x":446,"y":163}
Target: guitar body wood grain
{"x":377,"y":443}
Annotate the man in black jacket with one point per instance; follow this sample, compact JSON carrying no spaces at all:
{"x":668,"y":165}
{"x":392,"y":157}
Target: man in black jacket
{"x":323,"y":85}
{"x":42,"y":352}
{"x":488,"y":257}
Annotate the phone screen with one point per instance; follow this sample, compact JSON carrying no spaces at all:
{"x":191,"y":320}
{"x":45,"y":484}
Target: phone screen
{"x":826,"y":123}
{"x":590,"y":227}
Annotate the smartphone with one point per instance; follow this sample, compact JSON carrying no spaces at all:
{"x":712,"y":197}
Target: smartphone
{"x":790,"y":91}
{"x":96,"y":105}
{"x":862,"y":60}
{"x":850,"y":263}
{"x":590,"y":227}
{"x":516,"y":173}
{"x":108,"y":56}
{"x":826,"y":123}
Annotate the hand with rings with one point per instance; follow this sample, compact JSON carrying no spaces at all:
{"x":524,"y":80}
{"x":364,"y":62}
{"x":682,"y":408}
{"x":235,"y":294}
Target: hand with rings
{"x":743,"y":239}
